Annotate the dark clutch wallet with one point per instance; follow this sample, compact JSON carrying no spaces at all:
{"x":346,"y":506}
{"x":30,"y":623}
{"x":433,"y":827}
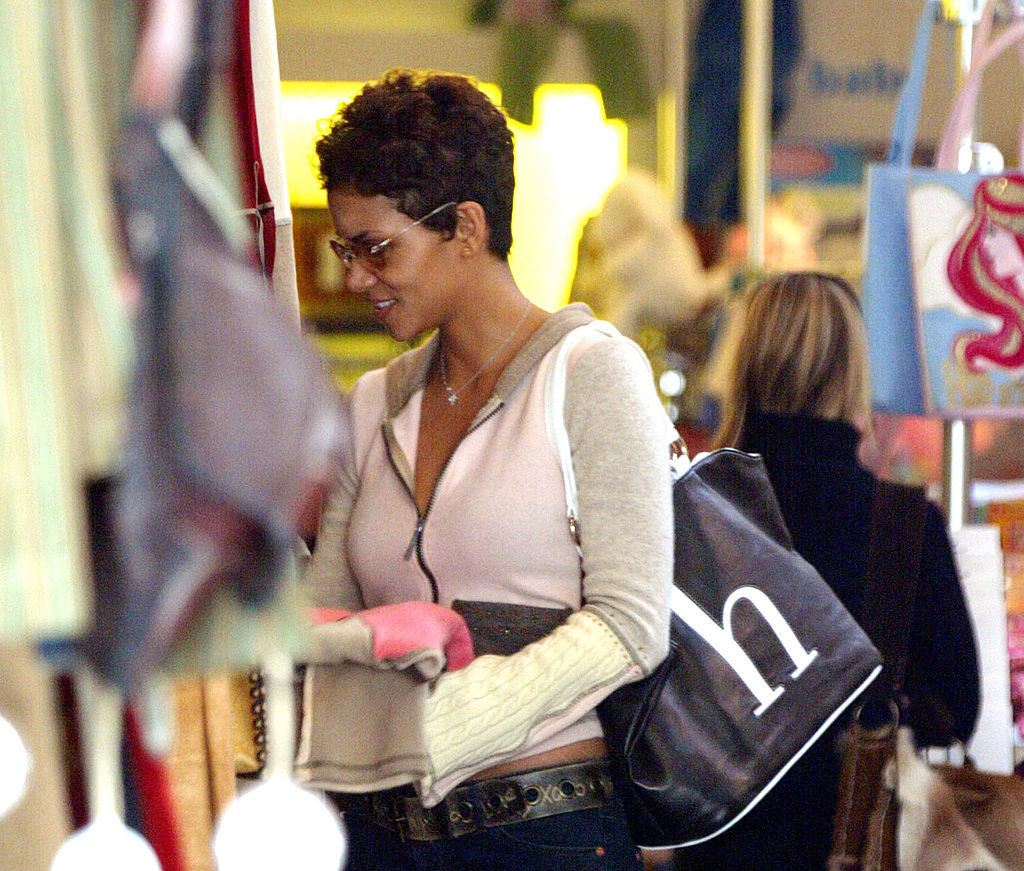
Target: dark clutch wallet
{"x":502,"y":628}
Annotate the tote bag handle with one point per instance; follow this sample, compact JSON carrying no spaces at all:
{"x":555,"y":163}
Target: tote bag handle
{"x":908,"y":110}
{"x":962,"y":114}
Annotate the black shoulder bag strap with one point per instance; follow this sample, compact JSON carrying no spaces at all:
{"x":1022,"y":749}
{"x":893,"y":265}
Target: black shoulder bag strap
{"x":864,"y":827}
{"x":893,"y":566}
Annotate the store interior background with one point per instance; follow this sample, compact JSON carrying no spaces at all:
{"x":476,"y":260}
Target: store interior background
{"x":854,"y":57}
{"x":327,"y":50}
{"x":855,"y":54}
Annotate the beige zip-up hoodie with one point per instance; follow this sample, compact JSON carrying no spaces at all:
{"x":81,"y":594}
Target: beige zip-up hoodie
{"x":495,"y":530}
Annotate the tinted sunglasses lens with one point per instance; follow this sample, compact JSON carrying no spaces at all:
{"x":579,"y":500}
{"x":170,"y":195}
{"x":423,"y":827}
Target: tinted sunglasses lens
{"x":360,"y":251}
{"x":341,"y":251}
{"x":366,"y":254}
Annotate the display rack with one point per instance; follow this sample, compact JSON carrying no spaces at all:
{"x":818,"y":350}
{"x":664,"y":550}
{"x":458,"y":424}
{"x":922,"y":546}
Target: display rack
{"x":963,"y":15}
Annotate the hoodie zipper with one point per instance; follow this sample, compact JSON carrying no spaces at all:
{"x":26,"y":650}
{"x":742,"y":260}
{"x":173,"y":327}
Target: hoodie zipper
{"x":416,"y":541}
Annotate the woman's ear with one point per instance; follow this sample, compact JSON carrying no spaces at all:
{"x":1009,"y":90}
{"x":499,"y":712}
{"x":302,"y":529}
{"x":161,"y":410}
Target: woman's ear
{"x":471,"y":229}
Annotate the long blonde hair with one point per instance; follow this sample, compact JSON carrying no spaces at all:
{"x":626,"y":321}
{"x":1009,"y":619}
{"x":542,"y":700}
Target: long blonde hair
{"x":798,"y":347}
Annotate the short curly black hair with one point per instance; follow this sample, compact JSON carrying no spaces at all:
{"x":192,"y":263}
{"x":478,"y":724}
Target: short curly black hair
{"x":423,"y":138}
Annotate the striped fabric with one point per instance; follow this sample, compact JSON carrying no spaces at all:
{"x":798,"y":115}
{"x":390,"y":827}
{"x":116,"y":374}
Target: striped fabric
{"x":63,"y":336}
{"x":65,"y":343}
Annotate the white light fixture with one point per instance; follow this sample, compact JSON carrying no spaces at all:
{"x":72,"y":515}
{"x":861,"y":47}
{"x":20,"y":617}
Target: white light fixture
{"x":277,"y":826}
{"x":106,"y":844}
{"x":14,"y":767}
{"x":672,"y":382}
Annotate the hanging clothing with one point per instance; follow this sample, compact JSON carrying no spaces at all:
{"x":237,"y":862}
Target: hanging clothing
{"x":200,"y":765}
{"x":225,"y":633}
{"x":32,"y":832}
{"x":63,"y":329}
{"x":713,"y":108}
{"x":235,"y":428}
{"x":266,"y":91}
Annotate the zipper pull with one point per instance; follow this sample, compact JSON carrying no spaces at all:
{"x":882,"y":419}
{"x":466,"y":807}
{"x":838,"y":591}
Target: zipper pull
{"x":416,"y":533}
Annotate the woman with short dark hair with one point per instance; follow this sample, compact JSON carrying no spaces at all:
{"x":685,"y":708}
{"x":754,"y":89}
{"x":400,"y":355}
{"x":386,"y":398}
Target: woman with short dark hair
{"x":454,"y":493}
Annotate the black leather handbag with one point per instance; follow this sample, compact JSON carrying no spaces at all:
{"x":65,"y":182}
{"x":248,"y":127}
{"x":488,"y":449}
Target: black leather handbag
{"x":764,"y":657}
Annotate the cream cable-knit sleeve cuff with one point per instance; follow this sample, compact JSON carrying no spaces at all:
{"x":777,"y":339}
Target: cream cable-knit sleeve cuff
{"x":486,"y":712}
{"x":351,"y":640}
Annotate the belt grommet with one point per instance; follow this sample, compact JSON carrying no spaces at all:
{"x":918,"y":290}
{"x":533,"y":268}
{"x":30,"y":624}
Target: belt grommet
{"x":465,"y":811}
{"x":531,"y":795}
{"x":567,"y":788}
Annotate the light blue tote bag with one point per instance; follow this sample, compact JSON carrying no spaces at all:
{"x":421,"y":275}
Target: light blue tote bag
{"x":897,"y":377}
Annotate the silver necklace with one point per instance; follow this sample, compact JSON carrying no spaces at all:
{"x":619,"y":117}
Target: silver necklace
{"x":452,"y":395}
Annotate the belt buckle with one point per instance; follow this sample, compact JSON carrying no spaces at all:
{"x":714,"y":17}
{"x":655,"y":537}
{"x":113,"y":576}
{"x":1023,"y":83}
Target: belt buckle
{"x":386,"y":810}
{"x":399,"y":816}
{"x":417,"y":823}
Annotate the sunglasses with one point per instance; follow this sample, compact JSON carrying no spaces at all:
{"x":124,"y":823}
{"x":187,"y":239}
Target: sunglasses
{"x":375,"y":255}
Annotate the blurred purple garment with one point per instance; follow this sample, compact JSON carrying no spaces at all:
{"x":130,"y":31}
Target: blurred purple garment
{"x":235,"y":427}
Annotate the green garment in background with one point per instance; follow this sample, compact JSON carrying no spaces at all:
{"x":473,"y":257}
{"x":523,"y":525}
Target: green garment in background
{"x":63,"y":332}
{"x":65,"y":348}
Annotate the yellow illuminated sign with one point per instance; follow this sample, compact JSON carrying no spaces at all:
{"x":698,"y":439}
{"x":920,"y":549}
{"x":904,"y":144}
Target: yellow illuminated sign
{"x":565,"y":163}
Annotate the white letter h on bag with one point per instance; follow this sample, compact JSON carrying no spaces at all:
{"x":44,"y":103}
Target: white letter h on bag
{"x":722,"y":640}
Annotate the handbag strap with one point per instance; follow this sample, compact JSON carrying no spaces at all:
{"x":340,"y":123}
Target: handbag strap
{"x":962,"y":115}
{"x":554,"y":411}
{"x":908,"y":110}
{"x":554,"y":417}
{"x":894,"y":562}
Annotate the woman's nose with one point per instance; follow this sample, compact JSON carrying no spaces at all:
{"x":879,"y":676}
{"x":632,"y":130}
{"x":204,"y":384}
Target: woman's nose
{"x":358,"y":278}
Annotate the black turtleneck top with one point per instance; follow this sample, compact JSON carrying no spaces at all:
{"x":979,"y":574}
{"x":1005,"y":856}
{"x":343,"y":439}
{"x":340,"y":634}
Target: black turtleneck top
{"x":826,"y":500}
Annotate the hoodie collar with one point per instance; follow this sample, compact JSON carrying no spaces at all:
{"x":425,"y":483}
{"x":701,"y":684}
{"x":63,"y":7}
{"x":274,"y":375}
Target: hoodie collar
{"x":408,"y":372}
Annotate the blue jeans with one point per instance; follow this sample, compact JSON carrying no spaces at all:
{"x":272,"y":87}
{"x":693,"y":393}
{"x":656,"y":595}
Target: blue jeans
{"x":585,"y":840}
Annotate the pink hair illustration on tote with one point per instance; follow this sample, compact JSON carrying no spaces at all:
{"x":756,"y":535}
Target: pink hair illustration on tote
{"x":986,"y":270}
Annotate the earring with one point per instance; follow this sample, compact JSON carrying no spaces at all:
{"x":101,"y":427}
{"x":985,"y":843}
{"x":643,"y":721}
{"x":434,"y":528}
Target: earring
{"x":467,"y":251}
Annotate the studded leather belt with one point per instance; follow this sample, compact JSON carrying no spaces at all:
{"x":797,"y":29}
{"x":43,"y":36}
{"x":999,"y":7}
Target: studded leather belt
{"x":483,"y":804}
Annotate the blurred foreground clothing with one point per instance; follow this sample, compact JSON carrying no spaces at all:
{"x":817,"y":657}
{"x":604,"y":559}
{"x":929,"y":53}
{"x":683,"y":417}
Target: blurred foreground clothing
{"x":31,"y":833}
{"x":234,"y":426}
{"x":64,"y":343}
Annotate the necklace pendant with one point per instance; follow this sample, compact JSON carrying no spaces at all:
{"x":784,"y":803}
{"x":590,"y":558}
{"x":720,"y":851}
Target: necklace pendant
{"x":453,"y":397}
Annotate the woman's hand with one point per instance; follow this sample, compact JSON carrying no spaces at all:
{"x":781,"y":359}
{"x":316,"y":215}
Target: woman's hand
{"x":396,"y":636}
{"x":404,"y":627}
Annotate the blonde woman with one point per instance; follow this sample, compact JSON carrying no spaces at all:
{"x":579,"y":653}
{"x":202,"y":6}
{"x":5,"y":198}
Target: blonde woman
{"x":797,"y":392}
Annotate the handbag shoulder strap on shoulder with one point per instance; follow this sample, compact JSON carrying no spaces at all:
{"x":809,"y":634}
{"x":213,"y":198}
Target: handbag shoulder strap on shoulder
{"x":554,"y":409}
{"x":894,"y":562}
{"x":554,"y":412}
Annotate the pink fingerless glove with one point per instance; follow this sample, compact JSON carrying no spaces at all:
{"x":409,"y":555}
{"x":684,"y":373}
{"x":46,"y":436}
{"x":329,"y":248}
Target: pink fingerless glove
{"x":400,"y":630}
